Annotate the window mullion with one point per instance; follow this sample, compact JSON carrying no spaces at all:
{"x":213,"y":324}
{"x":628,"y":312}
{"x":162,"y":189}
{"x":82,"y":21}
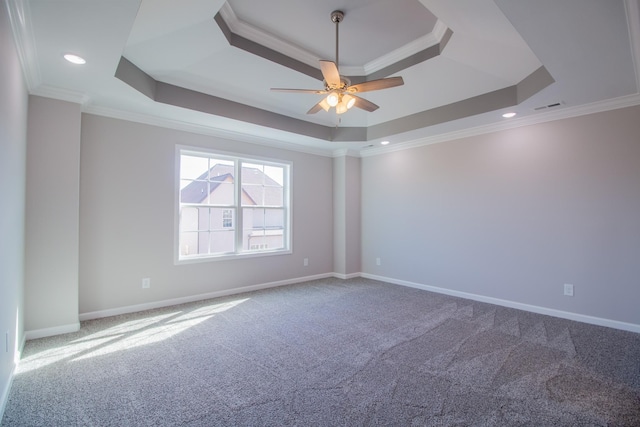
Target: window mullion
{"x":238,"y":204}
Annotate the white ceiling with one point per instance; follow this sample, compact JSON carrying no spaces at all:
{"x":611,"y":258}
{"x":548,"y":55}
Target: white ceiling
{"x":490,"y":56}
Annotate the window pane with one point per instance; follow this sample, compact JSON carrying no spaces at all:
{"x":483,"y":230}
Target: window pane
{"x":201,"y":180}
{"x":193,"y":167}
{"x":203,"y":242}
{"x":274,"y":196}
{"x":188,"y":243}
{"x":254,"y":240}
{"x":194,"y":192}
{"x":203,"y":219}
{"x":275,"y":175}
{"x":223,"y":242}
{"x":260,"y":240}
{"x":221,"y":170}
{"x":263,"y":229}
{"x":274,"y":218}
{"x":252,"y":195}
{"x":189,"y":219}
{"x":221,"y":219}
{"x":222,"y":193}
{"x":262,"y":185}
{"x":227,"y":218}
{"x":252,"y":218}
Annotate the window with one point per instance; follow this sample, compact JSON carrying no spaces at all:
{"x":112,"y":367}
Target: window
{"x":227,"y":218}
{"x":230,"y":206}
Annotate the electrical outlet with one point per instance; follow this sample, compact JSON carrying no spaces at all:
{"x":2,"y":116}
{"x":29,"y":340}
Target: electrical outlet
{"x":568,"y":290}
{"x":306,"y":262}
{"x":146,"y":283}
{"x":378,"y":262}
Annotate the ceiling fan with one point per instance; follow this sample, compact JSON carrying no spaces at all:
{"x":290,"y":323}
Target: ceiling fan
{"x":341,"y":94}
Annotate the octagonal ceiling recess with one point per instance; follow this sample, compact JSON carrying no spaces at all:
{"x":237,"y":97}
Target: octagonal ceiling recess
{"x":233,"y":81}
{"x":391,"y":31}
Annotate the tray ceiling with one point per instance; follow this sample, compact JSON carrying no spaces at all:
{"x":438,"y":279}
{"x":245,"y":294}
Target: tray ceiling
{"x":208,"y":66}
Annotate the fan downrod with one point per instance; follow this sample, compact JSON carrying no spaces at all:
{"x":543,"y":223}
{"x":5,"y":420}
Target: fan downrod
{"x":336,"y":17}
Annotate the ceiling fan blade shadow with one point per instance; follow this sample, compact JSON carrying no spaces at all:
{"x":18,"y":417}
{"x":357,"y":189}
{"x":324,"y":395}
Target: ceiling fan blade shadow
{"x":318,"y":92}
{"x":330,"y":73}
{"x":376,"y":85}
{"x":364,"y":104}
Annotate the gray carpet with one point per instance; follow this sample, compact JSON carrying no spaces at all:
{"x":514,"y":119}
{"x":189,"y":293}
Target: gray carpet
{"x":330,"y":353}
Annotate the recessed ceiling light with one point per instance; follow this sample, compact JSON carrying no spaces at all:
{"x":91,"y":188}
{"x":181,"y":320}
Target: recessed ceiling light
{"x":384,"y":142}
{"x":508,"y":115}
{"x":74,"y":59}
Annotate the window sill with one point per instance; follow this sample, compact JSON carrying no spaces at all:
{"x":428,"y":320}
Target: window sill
{"x":228,"y":257}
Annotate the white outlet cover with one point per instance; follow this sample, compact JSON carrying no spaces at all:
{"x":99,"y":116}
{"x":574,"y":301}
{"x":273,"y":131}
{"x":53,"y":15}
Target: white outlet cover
{"x":568,"y":289}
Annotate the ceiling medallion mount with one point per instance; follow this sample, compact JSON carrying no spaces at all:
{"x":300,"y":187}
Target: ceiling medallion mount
{"x":340,"y":93}
{"x":337,"y":16}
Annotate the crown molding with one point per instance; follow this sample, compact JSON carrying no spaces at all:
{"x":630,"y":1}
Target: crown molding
{"x":596,"y":107}
{"x":47,"y":91}
{"x":266,"y":39}
{"x":411,"y":48}
{"x":180,"y":125}
{"x":344,"y":152}
{"x":565,"y":113}
{"x":22,"y":29}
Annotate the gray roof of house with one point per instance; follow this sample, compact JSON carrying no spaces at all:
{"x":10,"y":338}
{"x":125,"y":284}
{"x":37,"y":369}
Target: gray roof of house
{"x":254,"y":182}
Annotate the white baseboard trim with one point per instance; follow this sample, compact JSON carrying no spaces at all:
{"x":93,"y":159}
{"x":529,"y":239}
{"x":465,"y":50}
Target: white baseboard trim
{"x":4,"y":393}
{"x":631,"y":327}
{"x":199,"y":297}
{"x":48,"y":332}
{"x":347,"y":276}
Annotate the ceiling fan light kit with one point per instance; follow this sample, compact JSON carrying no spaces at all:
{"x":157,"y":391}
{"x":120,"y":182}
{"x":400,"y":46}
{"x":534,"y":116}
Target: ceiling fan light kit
{"x":339,"y":90}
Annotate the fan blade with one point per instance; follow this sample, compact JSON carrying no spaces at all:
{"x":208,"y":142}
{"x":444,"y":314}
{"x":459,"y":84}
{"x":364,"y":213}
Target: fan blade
{"x":364,"y":104}
{"x":376,"y":85}
{"x":330,"y":73}
{"x":322,"y":105}
{"x":319,"y":92}
{"x":315,"y":109}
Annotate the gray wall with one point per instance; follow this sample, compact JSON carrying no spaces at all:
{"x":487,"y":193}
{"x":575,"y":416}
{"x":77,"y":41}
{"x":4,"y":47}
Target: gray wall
{"x":13,"y":143}
{"x":52,"y":217}
{"x":352,"y":214}
{"x":127,"y":214}
{"x":514,"y":215}
{"x":339,"y":218}
{"x":346,"y":216}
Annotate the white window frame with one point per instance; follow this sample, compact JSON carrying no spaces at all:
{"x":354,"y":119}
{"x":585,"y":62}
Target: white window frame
{"x":238,"y":159}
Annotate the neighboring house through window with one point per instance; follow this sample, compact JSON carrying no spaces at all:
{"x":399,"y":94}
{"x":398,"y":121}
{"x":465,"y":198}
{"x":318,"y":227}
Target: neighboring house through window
{"x":231,"y":205}
{"x":227,"y":218}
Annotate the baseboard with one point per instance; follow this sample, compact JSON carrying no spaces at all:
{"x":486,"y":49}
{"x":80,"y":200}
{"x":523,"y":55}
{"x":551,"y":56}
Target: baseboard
{"x":48,"y":332}
{"x":347,"y":276}
{"x":4,"y":393}
{"x":631,"y":327}
{"x":199,"y":297}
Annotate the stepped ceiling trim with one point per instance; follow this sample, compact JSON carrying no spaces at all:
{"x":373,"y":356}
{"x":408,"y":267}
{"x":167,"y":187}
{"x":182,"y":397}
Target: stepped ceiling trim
{"x":181,"y":97}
